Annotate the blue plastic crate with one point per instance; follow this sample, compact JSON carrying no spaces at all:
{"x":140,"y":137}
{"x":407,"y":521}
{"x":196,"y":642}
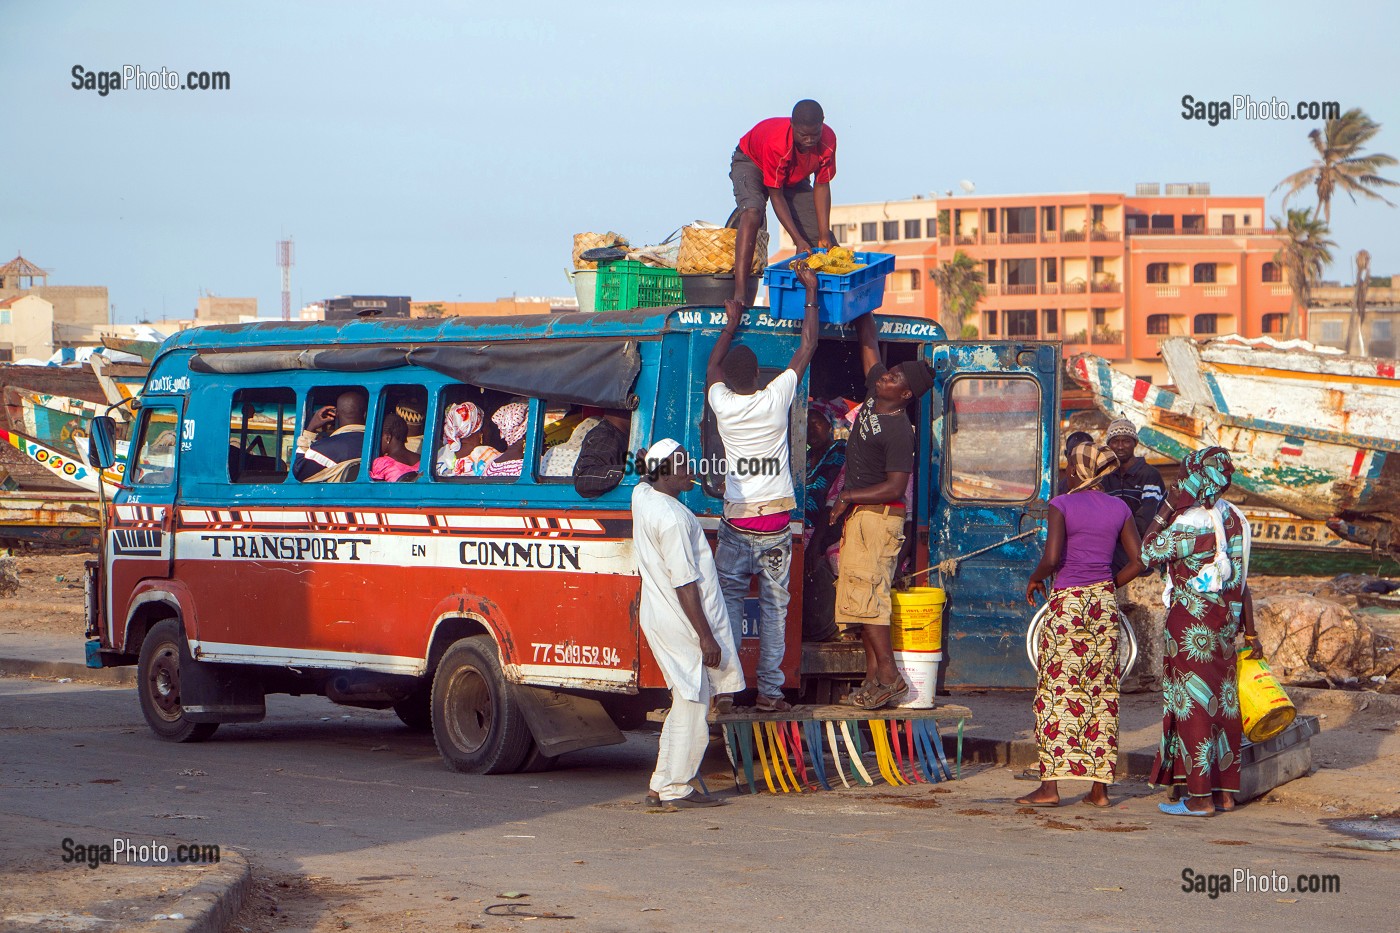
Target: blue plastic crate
{"x":842,"y":297}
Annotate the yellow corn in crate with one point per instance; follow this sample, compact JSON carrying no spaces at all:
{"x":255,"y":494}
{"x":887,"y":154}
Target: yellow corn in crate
{"x":836,"y":261}
{"x":916,"y":622}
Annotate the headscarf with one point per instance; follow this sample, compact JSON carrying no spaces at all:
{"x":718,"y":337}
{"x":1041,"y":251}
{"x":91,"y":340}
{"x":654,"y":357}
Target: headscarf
{"x":1090,"y":464}
{"x":510,"y":419}
{"x":462,"y":421}
{"x":1205,"y":474}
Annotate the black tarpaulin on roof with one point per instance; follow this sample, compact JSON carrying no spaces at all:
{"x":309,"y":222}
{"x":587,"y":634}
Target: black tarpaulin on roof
{"x":583,"y":372}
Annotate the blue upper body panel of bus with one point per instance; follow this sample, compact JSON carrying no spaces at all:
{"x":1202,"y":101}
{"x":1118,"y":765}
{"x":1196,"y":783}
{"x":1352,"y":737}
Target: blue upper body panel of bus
{"x":669,"y":387}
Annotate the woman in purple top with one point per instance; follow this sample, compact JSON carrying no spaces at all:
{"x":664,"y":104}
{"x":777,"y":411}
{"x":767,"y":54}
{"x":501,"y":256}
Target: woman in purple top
{"x":1076,"y":703}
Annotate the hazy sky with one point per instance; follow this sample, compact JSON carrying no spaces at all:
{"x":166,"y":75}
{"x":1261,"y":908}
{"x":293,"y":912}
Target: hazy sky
{"x":450,"y":150}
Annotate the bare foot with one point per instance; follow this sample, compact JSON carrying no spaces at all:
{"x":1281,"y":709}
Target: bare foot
{"x":1098,"y":797}
{"x":1046,"y":795}
{"x":1223,"y":800}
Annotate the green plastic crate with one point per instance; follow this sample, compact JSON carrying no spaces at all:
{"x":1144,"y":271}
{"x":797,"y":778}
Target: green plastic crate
{"x":625,"y":284}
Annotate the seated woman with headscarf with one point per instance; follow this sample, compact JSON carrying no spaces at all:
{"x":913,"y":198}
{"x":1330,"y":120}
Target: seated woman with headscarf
{"x":1203,"y":542}
{"x":1076,"y":699}
{"x":510,"y":420}
{"x":462,"y":453}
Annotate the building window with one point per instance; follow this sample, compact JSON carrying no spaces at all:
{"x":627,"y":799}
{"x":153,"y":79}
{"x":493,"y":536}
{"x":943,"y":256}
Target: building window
{"x":1273,"y":323}
{"x":1380,"y":330}
{"x":868,"y":232}
{"x":931,"y":225}
{"x":1156,"y":273}
{"x":1331,"y":332}
{"x":1049,"y":214}
{"x":1193,"y":223}
{"x":1052,"y":271}
{"x":1020,"y":324}
{"x":838,"y":231}
{"x":911,"y":229}
{"x":991,"y":272}
{"x":1273,"y":272}
{"x":1146,"y":379}
{"x":1203,"y":273}
{"x":1157,"y":325}
{"x":1052,"y":321}
{"x":1203,"y":324}
{"x":891,"y":231}
{"x":1100,"y":317}
{"x":6,"y":354}
{"x":989,"y":323}
{"x":1246,"y":220}
{"x":4,"y":316}
{"x":916,"y":279}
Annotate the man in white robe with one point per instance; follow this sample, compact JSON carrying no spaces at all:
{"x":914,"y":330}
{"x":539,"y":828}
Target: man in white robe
{"x":684,"y":619}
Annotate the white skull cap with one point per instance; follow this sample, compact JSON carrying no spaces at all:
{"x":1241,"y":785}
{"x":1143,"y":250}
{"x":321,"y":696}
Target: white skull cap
{"x":661,"y":451}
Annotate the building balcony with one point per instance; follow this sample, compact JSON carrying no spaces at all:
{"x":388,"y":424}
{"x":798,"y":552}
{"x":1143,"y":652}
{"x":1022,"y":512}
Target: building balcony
{"x":1019,"y":289}
{"x":1105,"y":236}
{"x":1106,"y":287}
{"x":1199,"y":231}
{"x":1074,"y":288}
{"x":1191,"y":292}
{"x":1018,"y":238}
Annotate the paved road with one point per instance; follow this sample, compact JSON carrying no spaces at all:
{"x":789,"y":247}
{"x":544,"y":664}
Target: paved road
{"x":354,"y":820}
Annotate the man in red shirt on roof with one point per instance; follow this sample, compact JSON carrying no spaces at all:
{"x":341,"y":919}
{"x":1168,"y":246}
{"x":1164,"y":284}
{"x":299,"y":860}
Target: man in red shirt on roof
{"x":774,"y":162}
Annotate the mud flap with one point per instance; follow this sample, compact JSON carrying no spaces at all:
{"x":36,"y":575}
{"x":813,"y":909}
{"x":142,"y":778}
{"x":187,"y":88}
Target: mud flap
{"x":218,"y":693}
{"x":561,"y":722}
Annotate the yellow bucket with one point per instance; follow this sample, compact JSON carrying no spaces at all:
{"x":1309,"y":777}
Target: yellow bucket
{"x":916,"y":623}
{"x":1264,"y":707}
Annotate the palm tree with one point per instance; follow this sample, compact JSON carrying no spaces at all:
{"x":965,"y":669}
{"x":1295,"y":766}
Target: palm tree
{"x":961,"y":284}
{"x":1306,"y":251}
{"x":1340,"y":166}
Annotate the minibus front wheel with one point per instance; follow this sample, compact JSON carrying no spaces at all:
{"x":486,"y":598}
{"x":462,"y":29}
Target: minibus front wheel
{"x":158,"y":685}
{"x":478,"y":725}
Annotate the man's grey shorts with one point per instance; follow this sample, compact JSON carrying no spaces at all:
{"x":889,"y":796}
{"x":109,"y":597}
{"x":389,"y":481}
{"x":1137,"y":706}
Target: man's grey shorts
{"x":751,"y":193}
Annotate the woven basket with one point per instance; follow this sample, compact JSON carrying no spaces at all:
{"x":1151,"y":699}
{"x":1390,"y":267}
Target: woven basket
{"x":587,"y":241}
{"x":710,"y":250}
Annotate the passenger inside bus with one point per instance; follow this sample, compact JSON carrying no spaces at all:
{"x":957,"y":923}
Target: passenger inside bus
{"x":462,"y":452}
{"x":602,"y":456}
{"x":511,"y":420}
{"x":329,"y":448}
{"x":397,"y":463}
{"x":563,"y":439}
{"x":412,"y":410}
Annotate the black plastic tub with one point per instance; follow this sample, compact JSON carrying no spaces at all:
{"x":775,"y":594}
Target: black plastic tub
{"x":712,"y":290}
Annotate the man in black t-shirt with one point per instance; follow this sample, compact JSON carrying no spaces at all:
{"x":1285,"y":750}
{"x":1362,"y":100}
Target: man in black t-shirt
{"x":880,"y":457}
{"x":1136,"y":483}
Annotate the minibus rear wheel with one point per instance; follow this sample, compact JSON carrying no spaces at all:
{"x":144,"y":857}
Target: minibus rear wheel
{"x":158,"y":685}
{"x":477,"y":724}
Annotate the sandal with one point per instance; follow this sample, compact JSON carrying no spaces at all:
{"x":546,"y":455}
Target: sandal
{"x":724,"y":704}
{"x":849,"y":698}
{"x":767,"y":704}
{"x":879,"y":695}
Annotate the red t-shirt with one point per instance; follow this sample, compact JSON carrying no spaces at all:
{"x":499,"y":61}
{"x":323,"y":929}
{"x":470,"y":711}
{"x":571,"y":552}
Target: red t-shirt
{"x":770,"y":146}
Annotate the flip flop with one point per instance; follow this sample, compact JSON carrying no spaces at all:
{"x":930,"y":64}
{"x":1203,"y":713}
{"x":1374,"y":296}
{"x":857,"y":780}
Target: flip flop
{"x":1179,"y":808}
{"x":1097,"y":806}
{"x":1022,"y":802}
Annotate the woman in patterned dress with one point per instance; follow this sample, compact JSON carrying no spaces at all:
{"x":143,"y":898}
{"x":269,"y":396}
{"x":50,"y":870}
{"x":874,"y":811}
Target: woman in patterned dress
{"x":1202,"y":541}
{"x":1076,"y":702}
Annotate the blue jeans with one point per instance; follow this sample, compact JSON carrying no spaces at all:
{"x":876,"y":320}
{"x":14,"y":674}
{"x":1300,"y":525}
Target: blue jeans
{"x":738,"y":558}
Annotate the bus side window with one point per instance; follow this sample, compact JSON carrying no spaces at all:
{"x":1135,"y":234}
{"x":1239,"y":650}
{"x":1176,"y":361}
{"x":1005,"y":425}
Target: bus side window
{"x":154,"y":463}
{"x":469,"y":438}
{"x":993,"y":439}
{"x":334,"y":455}
{"x":261,"y":435}
{"x":399,"y":442}
{"x":565,"y":427}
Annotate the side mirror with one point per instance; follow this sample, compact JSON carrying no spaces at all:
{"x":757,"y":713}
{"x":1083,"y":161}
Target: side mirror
{"x":103,"y":446}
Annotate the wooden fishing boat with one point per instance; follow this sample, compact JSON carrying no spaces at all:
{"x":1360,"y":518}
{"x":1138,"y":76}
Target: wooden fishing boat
{"x":71,"y":469}
{"x":1301,"y":467}
{"x":136,"y":346}
{"x":1288,"y":385}
{"x":48,"y":519}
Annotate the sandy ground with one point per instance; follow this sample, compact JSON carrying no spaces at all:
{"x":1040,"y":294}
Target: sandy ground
{"x":50,"y":597}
